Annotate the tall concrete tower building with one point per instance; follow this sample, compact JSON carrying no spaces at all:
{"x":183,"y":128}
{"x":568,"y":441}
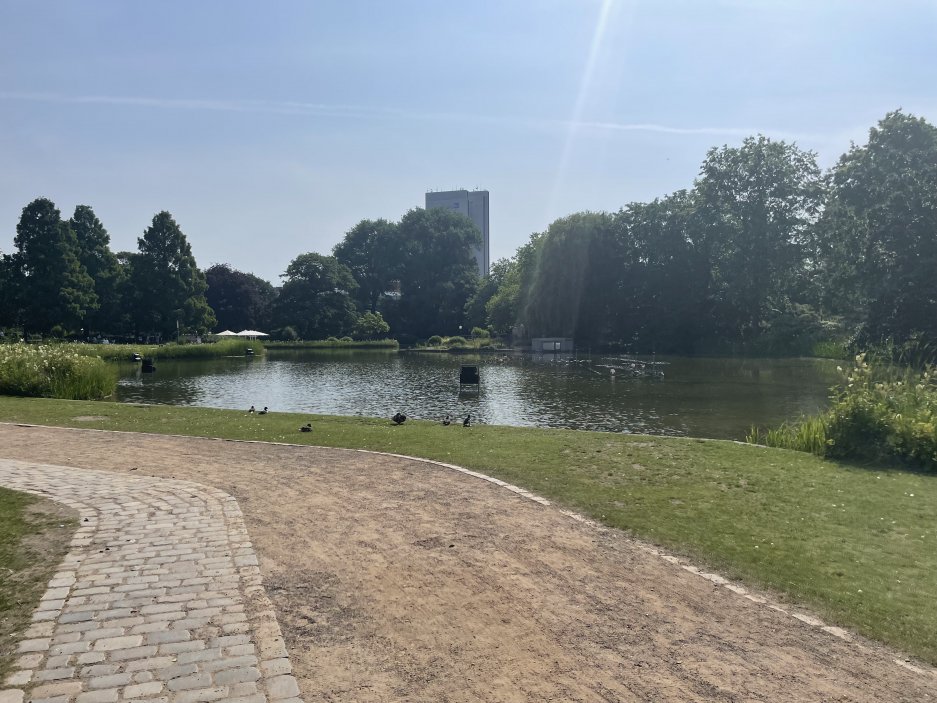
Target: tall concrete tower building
{"x":474,"y":205}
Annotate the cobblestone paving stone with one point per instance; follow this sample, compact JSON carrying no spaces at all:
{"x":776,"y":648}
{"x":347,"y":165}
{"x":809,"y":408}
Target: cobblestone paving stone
{"x":159,"y":598}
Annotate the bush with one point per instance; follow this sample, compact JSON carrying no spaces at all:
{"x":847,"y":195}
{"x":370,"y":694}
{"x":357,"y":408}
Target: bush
{"x":456,"y":341}
{"x":434,"y":341}
{"x":54,"y":372}
{"x":346,"y":339}
{"x":480,"y":332}
{"x":286,"y":334}
{"x":877,"y":415}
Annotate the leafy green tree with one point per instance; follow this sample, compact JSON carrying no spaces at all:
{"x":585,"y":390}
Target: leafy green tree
{"x":316,"y":297}
{"x":574,"y":291}
{"x":239,"y":300}
{"x":437,"y":270}
{"x":55,"y":289}
{"x":370,"y":325}
{"x":101,"y":264}
{"x":503,"y":309}
{"x":882,"y":225}
{"x":756,"y":204}
{"x":370,"y":251}
{"x":476,"y":309}
{"x":168,"y":287}
{"x":10,"y":272}
{"x":665,"y":280}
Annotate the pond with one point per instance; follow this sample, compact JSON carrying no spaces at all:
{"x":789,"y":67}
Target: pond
{"x":720,"y":398}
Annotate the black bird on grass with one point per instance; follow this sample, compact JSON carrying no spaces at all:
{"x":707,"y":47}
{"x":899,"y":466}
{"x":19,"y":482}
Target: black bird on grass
{"x":399,"y":418}
{"x":251,"y":411}
{"x":306,"y":428}
{"x":447,"y":420}
{"x":263,"y":412}
{"x":467,"y":422}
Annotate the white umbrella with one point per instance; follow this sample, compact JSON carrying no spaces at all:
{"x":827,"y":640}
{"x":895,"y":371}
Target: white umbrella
{"x":251,"y":334}
{"x":226,"y":333}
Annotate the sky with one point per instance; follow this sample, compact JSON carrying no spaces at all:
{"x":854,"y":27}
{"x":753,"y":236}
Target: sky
{"x":270,"y":129}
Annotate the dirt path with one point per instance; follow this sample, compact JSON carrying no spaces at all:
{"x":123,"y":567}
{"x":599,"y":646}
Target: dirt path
{"x":400,"y":580}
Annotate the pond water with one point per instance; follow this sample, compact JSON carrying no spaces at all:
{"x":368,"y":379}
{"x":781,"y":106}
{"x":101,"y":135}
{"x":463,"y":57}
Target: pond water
{"x":720,"y":398}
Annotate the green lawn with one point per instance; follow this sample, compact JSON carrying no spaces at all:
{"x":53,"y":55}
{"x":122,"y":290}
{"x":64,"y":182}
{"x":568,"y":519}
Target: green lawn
{"x":34,"y":536}
{"x":856,"y":545}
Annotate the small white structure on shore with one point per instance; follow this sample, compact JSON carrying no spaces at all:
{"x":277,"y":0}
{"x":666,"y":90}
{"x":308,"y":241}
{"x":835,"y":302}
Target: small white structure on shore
{"x":551,"y":345}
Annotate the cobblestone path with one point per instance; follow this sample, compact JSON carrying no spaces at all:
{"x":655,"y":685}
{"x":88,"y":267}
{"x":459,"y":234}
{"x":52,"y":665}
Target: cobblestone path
{"x":159,"y":598}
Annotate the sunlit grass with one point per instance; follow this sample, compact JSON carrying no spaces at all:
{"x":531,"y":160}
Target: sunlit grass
{"x":857,"y":545}
{"x":33,"y":539}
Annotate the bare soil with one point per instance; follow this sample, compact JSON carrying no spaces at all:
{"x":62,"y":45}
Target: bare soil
{"x":401,"y":580}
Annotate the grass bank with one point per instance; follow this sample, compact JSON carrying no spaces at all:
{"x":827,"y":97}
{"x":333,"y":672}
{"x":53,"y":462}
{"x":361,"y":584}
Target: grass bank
{"x":335,"y":344}
{"x":34,"y":536}
{"x":209,"y":350}
{"x":855,"y":544}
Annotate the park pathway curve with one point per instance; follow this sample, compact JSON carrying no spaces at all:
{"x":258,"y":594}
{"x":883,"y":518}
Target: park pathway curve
{"x":159,"y":598}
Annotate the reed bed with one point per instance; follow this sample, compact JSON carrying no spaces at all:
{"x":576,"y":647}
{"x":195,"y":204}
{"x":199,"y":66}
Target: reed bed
{"x":54,"y":372}
{"x":333,"y":343}
{"x":884,"y":413}
{"x":210,"y":350}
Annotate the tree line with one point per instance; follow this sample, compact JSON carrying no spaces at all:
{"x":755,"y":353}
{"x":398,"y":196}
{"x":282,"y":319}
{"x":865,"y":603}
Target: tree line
{"x":63,"y":280}
{"x":766,"y":252}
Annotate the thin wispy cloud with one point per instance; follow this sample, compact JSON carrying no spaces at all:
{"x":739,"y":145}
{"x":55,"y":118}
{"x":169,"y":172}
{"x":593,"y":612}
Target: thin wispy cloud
{"x":366,"y":112}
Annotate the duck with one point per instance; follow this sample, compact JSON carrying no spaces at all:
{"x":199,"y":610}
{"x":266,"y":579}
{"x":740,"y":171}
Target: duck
{"x":399,"y":418}
{"x":251,"y":411}
{"x":447,"y":420}
{"x":263,"y":412}
{"x":467,"y":422}
{"x":306,"y":428}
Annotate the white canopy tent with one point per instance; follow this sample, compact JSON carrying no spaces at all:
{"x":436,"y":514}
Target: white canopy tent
{"x":251,"y":334}
{"x":226,"y":333}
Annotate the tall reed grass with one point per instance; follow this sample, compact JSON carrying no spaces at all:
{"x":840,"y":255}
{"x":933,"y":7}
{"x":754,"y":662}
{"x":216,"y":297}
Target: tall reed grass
{"x":880,"y":413}
{"x":53,"y":372}
{"x":124,"y":352}
{"x":333,"y":343}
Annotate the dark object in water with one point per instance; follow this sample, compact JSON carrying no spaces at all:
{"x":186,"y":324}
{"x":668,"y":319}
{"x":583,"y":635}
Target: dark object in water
{"x":148,"y":366}
{"x":306,"y":428}
{"x":447,"y":420}
{"x":469,"y":376}
{"x":249,"y":351}
{"x":467,"y":422}
{"x":399,"y":418}
{"x":264,"y":411}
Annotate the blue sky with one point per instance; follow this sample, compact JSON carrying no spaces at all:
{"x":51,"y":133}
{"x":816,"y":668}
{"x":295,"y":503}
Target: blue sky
{"x":270,"y":129}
